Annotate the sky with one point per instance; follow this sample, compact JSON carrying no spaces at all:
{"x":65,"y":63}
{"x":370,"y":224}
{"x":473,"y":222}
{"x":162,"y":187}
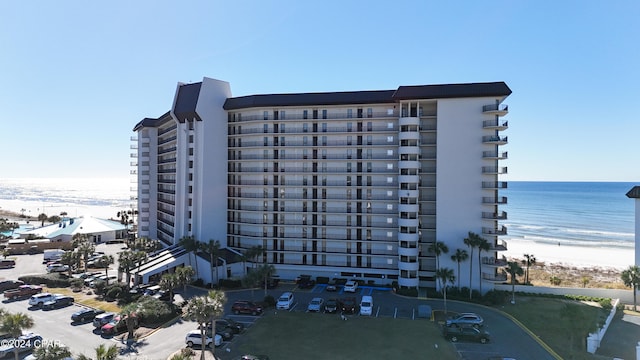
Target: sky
{"x":76,"y":76}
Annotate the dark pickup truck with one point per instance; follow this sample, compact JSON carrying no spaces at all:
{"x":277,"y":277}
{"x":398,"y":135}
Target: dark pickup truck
{"x":23,"y":291}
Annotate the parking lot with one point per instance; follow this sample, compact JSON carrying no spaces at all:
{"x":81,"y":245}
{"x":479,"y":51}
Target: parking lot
{"x":507,"y":338}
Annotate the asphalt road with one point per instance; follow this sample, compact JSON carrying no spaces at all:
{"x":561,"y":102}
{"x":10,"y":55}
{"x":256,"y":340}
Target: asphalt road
{"x":508,"y":339}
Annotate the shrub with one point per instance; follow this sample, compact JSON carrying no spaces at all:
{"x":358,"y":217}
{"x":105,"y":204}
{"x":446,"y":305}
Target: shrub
{"x":50,"y":280}
{"x":154,"y":311}
{"x":113,"y":292}
{"x":198,"y":283}
{"x":405,"y":291}
{"x":230,"y":283}
{"x":269,"y":301}
{"x":495,"y":297}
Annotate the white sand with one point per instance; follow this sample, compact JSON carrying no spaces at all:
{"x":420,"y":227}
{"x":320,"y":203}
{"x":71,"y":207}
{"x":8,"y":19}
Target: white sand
{"x":34,"y":208}
{"x":606,"y":257}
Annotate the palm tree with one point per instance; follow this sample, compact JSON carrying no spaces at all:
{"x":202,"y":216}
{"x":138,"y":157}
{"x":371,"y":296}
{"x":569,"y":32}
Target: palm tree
{"x":460,"y":256}
{"x":184,"y":275}
{"x":126,"y":261}
{"x":168,"y":282}
{"x":146,"y":244}
{"x":483,"y":245}
{"x":445,"y":275}
{"x":139,"y":257}
{"x":13,"y":324}
{"x":631,"y":278}
{"x":243,"y":259}
{"x":84,"y":247}
{"x":71,"y":259}
{"x":438,"y":247}
{"x":529,"y":260}
{"x":51,"y":351}
{"x":253,"y":253}
{"x":213,"y":249}
{"x":107,"y":353}
{"x":200,"y":310}
{"x":130,"y":316}
{"x":472,"y":242}
{"x":265,"y":272}
{"x":191,"y":245}
{"x":217,"y":299}
{"x":105,"y":261}
{"x":42,"y":218}
{"x":514,"y":269}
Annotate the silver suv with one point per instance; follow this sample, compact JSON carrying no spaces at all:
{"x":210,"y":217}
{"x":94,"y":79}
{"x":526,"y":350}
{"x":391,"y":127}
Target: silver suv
{"x":466,"y":319}
{"x":40,"y":299}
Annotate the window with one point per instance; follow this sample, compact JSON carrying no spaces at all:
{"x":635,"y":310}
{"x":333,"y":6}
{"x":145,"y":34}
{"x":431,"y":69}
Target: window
{"x":282,"y":117}
{"x":349,"y":153}
{"x":369,"y":126}
{"x":389,"y":125}
{"x":304,"y":141}
{"x":389,"y":220}
{"x":349,"y":140}
{"x":265,"y":116}
{"x":305,"y":126}
{"x":389,"y":192}
{"x":191,"y":139}
{"x":349,"y":127}
{"x":369,"y":112}
{"x":324,"y":140}
{"x":389,"y":234}
{"x":305,"y":115}
{"x":389,"y":180}
{"x":265,"y":128}
{"x":324,"y":127}
{"x":282,"y":126}
{"x":349,"y":113}
{"x":324,"y":113}
{"x":190,"y":151}
{"x":389,"y":166}
{"x":389,"y":206}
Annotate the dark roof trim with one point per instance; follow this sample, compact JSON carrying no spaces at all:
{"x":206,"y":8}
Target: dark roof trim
{"x":370,"y":97}
{"x":150,"y":122}
{"x":186,"y":101}
{"x":452,"y":91}
{"x":634,"y":193}
{"x":309,"y":99}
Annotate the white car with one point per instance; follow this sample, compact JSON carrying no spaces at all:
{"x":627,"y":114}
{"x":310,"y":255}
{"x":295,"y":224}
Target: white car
{"x":40,"y":299}
{"x":195,"y":338}
{"x":315,"y":304}
{"x":285,"y":301}
{"x":57,"y":268}
{"x":351,"y":286}
{"x":366,"y":305}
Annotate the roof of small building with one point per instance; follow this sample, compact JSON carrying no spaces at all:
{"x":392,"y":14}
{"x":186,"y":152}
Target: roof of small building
{"x":634,"y":193}
{"x":79,"y":225}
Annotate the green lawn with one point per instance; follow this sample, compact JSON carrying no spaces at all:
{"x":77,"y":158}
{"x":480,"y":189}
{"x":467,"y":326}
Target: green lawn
{"x":321,"y":336}
{"x":561,"y":324}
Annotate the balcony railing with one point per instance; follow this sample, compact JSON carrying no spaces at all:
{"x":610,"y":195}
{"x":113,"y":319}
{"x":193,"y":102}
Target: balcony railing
{"x":495,"y":124}
{"x":500,"y":170}
{"x":501,"y":109}
{"x":499,"y":277}
{"x":492,"y":231}
{"x":494,"y":200}
{"x":494,"y":184}
{"x":495,"y":216}
{"x":495,"y":139}
{"x":494,"y":155}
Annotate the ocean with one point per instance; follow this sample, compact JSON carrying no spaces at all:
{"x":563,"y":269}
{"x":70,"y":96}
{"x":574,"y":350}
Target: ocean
{"x":588,"y":223}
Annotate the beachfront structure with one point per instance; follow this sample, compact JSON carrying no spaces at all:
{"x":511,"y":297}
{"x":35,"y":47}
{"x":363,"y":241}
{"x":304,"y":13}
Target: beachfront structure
{"x":353,"y":184}
{"x":97,"y":230}
{"x":634,"y":193}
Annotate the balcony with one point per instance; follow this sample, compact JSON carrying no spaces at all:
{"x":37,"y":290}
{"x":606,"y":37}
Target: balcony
{"x":494,"y":155}
{"x":496,"y":109}
{"x":495,"y":216}
{"x":494,"y":185}
{"x":497,"y":170}
{"x":493,"y":262}
{"x":499,"y":245}
{"x":499,"y":277}
{"x":491,"y":231}
{"x":495,"y":125}
{"x":494,"y":140}
{"x":500,"y":200}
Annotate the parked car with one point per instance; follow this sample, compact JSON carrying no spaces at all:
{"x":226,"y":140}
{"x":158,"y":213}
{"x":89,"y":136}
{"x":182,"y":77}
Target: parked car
{"x":22,"y":291}
{"x":351,"y":286}
{"x":39,"y":299}
{"x":366,"y":305}
{"x":331,"y":286}
{"x":193,"y":337}
{"x":348,"y":305}
{"x":456,"y":334}
{"x":103,"y":319}
{"x":24,"y":343}
{"x":305,"y":282}
{"x":85,"y":315}
{"x":315,"y":304}
{"x":116,"y":326}
{"x":10,"y":284}
{"x":465,"y":319}
{"x":285,"y":301}
{"x":246,"y":307}
{"x":57,"y":268}
{"x":221,"y":329}
{"x":273,"y":282}
{"x":235,"y":326}
{"x":331,"y":306}
{"x":58,"y":302}
{"x":7,"y":263}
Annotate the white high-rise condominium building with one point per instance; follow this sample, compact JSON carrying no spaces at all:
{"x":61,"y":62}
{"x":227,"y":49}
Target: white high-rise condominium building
{"x":353,"y":184}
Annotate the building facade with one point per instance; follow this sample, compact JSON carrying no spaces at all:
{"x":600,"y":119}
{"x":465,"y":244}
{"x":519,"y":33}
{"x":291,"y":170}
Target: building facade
{"x":343,"y":184}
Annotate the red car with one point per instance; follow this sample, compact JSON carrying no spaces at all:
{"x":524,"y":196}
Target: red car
{"x":117,"y":326}
{"x":246,"y":307}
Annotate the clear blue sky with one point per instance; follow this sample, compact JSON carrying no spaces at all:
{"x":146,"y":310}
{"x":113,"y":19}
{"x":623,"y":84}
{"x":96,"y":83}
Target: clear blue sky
{"x":76,"y":76}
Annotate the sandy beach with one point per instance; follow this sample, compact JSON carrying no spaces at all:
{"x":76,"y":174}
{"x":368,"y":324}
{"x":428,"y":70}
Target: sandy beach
{"x":33,"y":209}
